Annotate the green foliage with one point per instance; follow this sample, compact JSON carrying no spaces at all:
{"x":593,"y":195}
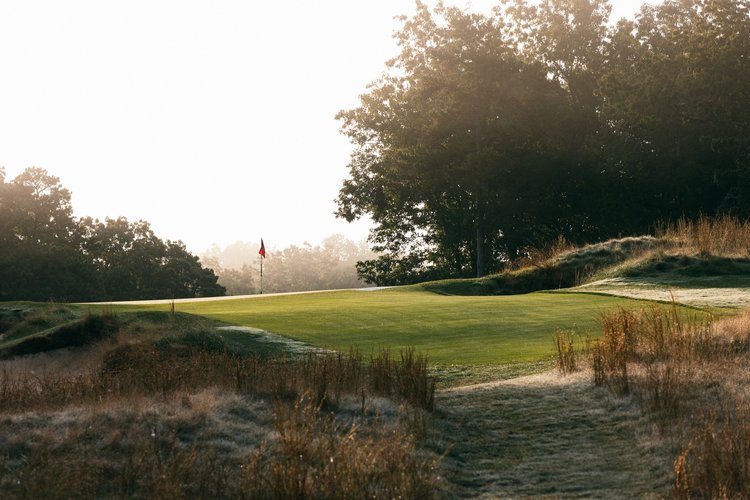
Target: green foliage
{"x":491,"y":134}
{"x":449,"y":142}
{"x":388,"y":270}
{"x":46,"y":254}
{"x":678,"y":102}
{"x":39,"y":255}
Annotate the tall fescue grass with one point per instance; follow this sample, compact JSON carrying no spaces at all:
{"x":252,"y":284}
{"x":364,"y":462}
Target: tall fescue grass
{"x":565,"y":351}
{"x":147,"y":369}
{"x":317,"y":456}
{"x":719,"y":236}
{"x":326,"y":439}
{"x":541,"y":256}
{"x":650,"y":337}
{"x":312,"y":454}
{"x":682,"y":369}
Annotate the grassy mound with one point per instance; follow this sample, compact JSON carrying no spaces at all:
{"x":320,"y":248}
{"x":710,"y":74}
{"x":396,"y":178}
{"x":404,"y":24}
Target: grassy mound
{"x":74,"y":334}
{"x":694,"y":266}
{"x":34,"y":328}
{"x":21,"y":319}
{"x":563,"y":270}
{"x":680,"y":254}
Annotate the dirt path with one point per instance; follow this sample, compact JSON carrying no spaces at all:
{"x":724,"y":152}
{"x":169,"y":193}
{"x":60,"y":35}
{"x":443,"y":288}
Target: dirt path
{"x":545,"y":435}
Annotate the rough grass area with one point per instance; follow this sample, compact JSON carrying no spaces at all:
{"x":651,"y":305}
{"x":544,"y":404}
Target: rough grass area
{"x":689,"y":379}
{"x":21,"y":319}
{"x":683,"y":254}
{"x":168,"y":412}
{"x":567,"y":268}
{"x":546,"y":436}
{"x":451,"y":330}
{"x":449,"y":376}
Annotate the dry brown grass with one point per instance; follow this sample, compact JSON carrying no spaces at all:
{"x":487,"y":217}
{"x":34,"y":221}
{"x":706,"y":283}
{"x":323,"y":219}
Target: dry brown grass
{"x":689,"y":375}
{"x":157,"y":420}
{"x":282,"y":449}
{"x":565,"y":352}
{"x":719,"y":236}
{"x":147,"y":369}
{"x":715,"y":463}
{"x":541,"y":257}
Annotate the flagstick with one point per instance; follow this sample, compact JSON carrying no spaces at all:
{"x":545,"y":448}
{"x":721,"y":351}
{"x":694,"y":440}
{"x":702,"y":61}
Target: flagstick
{"x":261,"y":275}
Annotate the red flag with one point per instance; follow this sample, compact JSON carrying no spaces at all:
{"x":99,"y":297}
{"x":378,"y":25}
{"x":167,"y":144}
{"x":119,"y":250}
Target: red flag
{"x":262,"y":251}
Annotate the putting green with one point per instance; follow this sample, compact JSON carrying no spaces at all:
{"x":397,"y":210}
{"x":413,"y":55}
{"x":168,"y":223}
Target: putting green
{"x":449,"y":329}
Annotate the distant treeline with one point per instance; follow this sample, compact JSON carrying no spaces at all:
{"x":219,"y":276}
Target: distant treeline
{"x":47,"y":254}
{"x":330,"y":265}
{"x":490,"y":134}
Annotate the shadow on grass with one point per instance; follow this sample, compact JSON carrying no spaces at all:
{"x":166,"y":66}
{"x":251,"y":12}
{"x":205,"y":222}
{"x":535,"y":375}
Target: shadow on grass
{"x":550,"y":437}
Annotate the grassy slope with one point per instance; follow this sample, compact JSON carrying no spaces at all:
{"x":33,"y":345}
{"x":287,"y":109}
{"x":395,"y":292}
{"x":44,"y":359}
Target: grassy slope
{"x":656,"y":263}
{"x":450,"y":329}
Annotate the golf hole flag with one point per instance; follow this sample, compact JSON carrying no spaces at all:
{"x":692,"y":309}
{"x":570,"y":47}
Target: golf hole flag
{"x":262,"y":251}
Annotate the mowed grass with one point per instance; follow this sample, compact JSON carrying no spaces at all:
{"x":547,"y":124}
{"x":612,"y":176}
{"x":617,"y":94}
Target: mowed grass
{"x":449,"y":329}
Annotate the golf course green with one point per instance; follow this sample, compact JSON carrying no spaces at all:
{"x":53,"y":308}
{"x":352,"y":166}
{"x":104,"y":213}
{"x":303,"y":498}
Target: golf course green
{"x":449,"y":329}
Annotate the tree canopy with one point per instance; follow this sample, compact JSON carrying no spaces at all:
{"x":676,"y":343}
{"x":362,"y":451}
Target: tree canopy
{"x":47,"y":254}
{"x":487,"y":134}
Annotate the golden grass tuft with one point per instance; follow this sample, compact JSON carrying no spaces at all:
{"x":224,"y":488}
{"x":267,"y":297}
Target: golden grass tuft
{"x":685,"y":372}
{"x":719,"y":236}
{"x":565,"y":351}
{"x":715,"y":463}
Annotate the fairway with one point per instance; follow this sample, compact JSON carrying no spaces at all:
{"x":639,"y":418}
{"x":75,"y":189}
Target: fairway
{"x":449,"y":329}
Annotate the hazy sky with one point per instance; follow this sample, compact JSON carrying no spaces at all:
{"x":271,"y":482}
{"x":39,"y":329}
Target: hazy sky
{"x":213,"y":120}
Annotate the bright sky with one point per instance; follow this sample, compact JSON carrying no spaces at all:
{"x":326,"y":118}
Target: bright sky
{"x":212,"y":120}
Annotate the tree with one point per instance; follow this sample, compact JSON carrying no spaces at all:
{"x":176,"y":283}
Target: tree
{"x":39,"y":255}
{"x":449,"y":144}
{"x":132,"y":262}
{"x":486,"y":135}
{"x":45,"y":253}
{"x":603,"y":192}
{"x":182,"y":275}
{"x":676,"y":95}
